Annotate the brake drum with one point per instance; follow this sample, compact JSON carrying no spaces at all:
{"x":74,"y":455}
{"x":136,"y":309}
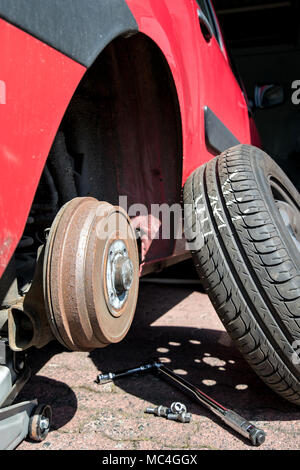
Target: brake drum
{"x":91,"y":274}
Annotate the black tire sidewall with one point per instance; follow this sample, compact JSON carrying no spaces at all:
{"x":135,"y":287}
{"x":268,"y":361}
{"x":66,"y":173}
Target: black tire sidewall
{"x":264,"y":167}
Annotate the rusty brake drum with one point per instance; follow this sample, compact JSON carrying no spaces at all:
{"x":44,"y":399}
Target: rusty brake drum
{"x":91,"y":274}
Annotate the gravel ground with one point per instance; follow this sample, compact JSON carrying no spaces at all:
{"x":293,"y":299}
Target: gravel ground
{"x":179,"y":326}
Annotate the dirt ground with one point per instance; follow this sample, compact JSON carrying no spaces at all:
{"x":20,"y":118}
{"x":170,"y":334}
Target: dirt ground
{"x":179,"y":326}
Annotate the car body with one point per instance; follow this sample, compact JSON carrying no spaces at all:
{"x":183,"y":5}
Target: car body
{"x":122,"y":111}
{"x":48,"y":48}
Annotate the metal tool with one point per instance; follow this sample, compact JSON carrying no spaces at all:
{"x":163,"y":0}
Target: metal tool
{"x":105,"y":378}
{"x":178,"y":407}
{"x":158,"y":411}
{"x":232,"y":419}
{"x":182,"y":417}
{"x":177,"y":412}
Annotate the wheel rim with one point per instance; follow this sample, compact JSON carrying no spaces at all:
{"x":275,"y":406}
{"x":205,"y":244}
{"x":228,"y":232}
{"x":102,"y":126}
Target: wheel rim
{"x":288,"y":210}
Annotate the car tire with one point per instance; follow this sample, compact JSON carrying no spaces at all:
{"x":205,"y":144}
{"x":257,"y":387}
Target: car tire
{"x":242,"y":225}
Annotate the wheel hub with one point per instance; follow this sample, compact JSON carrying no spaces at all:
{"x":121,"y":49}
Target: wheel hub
{"x":119,"y":274}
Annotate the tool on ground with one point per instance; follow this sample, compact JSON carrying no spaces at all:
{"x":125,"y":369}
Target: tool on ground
{"x":158,"y":411}
{"x":178,"y":407}
{"x":232,"y":419}
{"x":177,"y":412}
{"x":105,"y":378}
{"x":181,"y":417}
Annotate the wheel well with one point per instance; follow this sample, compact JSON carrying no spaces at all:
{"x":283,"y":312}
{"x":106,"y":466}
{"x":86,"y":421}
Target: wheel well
{"x":120,"y":136}
{"x":122,"y":128}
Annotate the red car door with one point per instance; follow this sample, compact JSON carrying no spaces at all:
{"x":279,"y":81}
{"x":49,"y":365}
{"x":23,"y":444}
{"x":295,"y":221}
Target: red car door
{"x":223,"y":102}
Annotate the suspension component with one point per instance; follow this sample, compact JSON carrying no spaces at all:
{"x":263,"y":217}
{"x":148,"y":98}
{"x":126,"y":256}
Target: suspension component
{"x":27,"y":320}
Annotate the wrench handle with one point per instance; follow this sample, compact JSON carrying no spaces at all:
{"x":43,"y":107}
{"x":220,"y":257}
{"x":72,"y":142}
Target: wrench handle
{"x":231,"y":418}
{"x":244,"y":427}
{"x":110,"y":376}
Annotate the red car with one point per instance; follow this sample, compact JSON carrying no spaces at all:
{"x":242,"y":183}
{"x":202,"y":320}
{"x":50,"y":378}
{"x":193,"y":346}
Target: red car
{"x":112,"y":102}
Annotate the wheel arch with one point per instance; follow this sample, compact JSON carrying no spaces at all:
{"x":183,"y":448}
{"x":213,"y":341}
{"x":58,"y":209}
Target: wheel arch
{"x":115,"y":34}
{"x":121,"y":135}
{"x":124,"y":125}
{"x":78,"y":33}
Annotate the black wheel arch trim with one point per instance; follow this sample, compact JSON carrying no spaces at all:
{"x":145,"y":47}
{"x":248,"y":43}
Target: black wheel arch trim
{"x":78,"y":29}
{"x":217,"y":136}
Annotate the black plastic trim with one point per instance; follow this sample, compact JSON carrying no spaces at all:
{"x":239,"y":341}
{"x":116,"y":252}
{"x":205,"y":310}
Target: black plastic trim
{"x":218,"y":137}
{"x":79,"y":29}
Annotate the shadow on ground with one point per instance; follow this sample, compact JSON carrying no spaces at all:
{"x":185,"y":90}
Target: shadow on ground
{"x":203,"y":356}
{"x":62,"y":399}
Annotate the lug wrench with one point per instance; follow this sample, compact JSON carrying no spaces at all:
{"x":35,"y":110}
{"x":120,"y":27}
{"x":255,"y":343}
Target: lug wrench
{"x":232,"y":419}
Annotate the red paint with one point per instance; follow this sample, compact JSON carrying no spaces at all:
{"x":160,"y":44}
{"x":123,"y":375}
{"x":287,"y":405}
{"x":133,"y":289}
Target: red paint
{"x":201,"y":73}
{"x":37,"y":83}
